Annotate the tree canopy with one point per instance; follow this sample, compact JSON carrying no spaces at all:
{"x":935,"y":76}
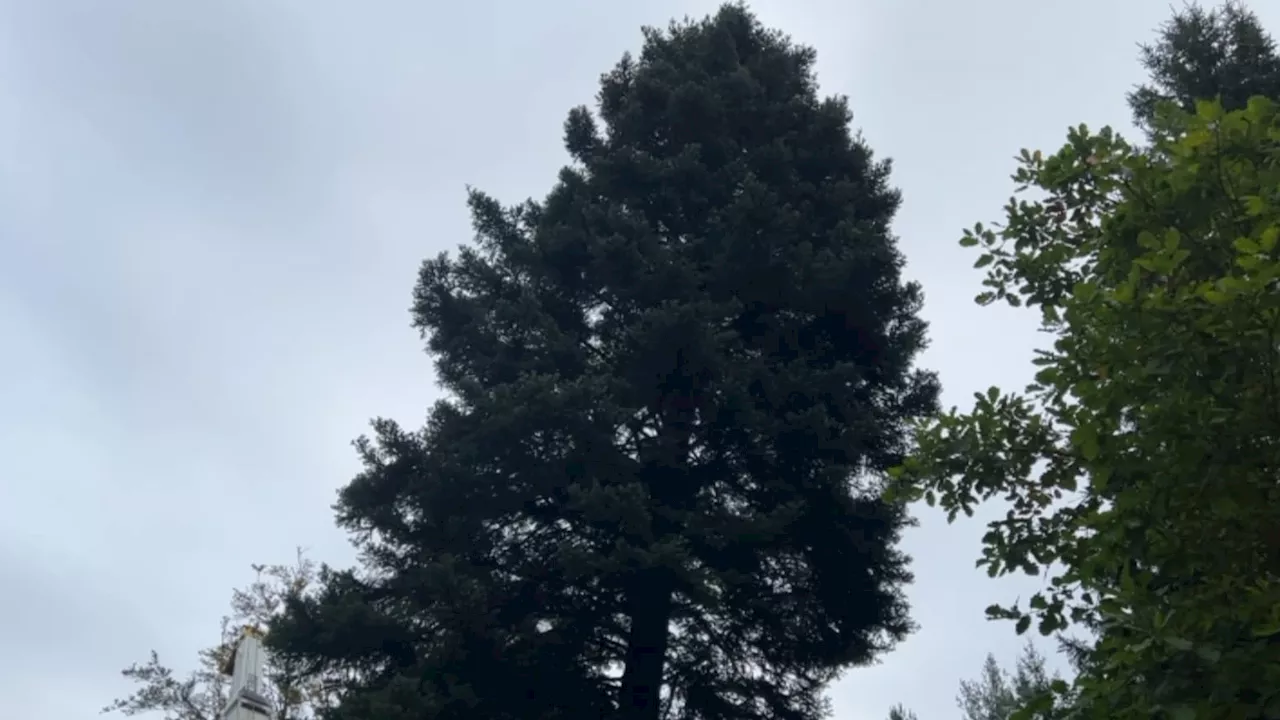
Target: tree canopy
{"x":1140,"y":466}
{"x":1220,"y":53}
{"x":996,"y":694}
{"x":674,"y":385}
{"x":201,"y":694}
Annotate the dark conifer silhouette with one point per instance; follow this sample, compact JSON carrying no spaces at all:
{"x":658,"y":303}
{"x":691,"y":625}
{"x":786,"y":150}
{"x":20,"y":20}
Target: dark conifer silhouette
{"x":673,"y":385}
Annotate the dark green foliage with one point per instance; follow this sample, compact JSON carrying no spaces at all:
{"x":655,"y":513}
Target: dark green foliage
{"x":1139,"y":467}
{"x":674,"y":385}
{"x":1223,"y":54}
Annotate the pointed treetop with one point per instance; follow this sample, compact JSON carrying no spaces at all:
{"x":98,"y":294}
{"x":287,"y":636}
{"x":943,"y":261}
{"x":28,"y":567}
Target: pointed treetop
{"x":1206,"y":54}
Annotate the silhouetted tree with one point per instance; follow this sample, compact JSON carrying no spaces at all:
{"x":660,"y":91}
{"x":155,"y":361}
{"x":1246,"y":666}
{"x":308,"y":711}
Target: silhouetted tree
{"x":1219,"y":54}
{"x":674,"y":385}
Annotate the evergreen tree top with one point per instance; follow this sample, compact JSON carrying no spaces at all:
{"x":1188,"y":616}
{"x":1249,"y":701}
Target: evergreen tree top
{"x":1222,"y":54}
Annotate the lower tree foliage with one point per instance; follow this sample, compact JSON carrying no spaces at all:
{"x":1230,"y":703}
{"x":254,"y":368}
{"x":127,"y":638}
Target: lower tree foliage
{"x":998,"y":694}
{"x":202,"y":693}
{"x":1141,"y":466}
{"x":674,"y":384}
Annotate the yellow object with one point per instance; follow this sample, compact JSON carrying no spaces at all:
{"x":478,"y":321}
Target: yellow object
{"x":229,"y":665}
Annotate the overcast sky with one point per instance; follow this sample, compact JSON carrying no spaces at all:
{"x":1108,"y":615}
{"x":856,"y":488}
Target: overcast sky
{"x":211,"y":215}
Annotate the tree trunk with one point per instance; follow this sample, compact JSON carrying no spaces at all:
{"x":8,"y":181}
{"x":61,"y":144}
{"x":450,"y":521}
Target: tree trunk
{"x":640,"y":697}
{"x":651,"y":589}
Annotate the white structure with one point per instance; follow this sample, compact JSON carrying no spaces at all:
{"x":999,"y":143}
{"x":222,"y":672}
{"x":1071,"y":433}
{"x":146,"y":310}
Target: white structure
{"x":247,"y":700}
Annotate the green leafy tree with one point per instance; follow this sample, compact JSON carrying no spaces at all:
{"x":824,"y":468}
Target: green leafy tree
{"x":1219,"y":54}
{"x":674,"y":384}
{"x":1140,"y":466}
{"x":1222,"y":53}
{"x":202,"y":693}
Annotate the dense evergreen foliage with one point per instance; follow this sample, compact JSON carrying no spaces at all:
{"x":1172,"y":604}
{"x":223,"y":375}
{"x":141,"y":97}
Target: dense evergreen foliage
{"x":673,"y":386}
{"x":1220,"y":53}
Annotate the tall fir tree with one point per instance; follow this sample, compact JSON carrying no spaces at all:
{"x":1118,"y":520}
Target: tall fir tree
{"x":674,"y":386}
{"x":1220,"y":54}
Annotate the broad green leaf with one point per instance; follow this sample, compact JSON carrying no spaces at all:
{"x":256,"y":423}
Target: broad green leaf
{"x":1246,"y":245}
{"x":1217,"y":297}
{"x":1085,"y":438}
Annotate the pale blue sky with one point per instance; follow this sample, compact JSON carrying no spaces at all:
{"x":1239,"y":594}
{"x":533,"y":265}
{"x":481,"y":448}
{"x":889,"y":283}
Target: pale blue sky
{"x":211,"y":214}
